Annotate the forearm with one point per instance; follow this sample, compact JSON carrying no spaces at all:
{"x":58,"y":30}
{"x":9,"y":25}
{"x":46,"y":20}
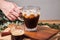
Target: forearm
{"x":1,"y":2}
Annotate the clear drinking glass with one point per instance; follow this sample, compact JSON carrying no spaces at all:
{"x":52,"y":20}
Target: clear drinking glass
{"x":31,"y":16}
{"x":16,"y":33}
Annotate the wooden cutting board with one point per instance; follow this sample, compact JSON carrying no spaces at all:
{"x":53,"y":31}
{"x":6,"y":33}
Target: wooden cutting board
{"x":42,"y":33}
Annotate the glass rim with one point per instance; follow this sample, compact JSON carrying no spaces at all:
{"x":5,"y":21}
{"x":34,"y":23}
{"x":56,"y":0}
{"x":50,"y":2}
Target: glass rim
{"x":31,"y":7}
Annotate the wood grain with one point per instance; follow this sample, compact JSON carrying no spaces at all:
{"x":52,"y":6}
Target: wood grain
{"x":50,"y":21}
{"x":42,"y":34}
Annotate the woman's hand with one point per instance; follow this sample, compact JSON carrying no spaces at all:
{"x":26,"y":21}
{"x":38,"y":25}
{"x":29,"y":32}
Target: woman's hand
{"x":11,"y":10}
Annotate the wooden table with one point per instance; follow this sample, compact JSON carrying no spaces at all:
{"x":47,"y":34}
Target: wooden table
{"x":42,"y":33}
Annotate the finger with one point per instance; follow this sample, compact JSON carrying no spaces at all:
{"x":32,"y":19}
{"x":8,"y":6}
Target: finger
{"x":18,"y":9}
{"x":13,"y":17}
{"x":10,"y":18}
{"x":15,"y":14}
{"x":14,"y":4}
{"x":17,"y":6}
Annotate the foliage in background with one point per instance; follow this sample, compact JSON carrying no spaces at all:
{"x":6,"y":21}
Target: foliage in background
{"x":55,"y":26}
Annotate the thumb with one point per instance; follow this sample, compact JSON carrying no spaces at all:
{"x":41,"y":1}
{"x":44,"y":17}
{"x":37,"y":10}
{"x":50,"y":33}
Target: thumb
{"x":20,"y":8}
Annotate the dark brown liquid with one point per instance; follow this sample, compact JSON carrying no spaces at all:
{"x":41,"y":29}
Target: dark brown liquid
{"x":31,"y":21}
{"x":17,"y":37}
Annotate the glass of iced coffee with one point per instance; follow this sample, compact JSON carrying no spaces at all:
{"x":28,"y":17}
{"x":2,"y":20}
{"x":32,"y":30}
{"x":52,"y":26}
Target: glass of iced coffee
{"x":16,"y":34}
{"x":31,"y":16}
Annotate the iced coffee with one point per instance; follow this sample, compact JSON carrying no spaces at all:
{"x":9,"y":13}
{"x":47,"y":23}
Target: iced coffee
{"x":31,"y":17}
{"x":17,"y":34}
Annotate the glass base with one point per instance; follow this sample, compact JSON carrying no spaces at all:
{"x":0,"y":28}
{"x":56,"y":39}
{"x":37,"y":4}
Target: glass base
{"x":29,"y":29}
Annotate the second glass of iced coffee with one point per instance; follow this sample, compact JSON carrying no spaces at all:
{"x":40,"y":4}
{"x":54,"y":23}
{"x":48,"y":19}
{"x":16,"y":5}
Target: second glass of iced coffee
{"x":31,"y":16}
